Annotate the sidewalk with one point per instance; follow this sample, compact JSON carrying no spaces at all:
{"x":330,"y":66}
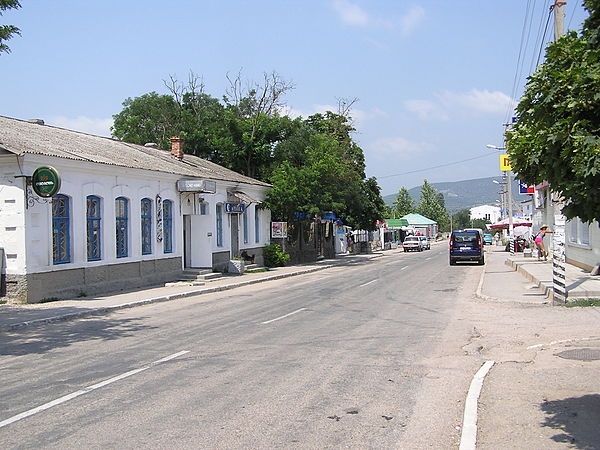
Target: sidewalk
{"x":543,"y":390}
{"x":580,"y":284}
{"x":13,"y":317}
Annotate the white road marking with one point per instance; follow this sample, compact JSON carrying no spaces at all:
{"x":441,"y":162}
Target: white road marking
{"x":564,"y":341}
{"x":405,"y":267}
{"x":283,"y":317}
{"x":468,"y":437}
{"x":428,"y":258}
{"x":85,"y":390}
{"x":367,"y":283}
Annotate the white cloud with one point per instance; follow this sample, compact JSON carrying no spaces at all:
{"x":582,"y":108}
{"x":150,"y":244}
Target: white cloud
{"x":399,"y":147}
{"x":98,"y":127}
{"x":411,"y":20}
{"x":477,"y":100}
{"x":351,"y":14}
{"x":358,"y":115}
{"x":426,"y":109}
{"x":448,"y":103}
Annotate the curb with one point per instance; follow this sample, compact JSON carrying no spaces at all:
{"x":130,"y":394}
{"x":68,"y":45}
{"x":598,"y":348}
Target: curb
{"x":468,"y":437}
{"x":163,"y":298}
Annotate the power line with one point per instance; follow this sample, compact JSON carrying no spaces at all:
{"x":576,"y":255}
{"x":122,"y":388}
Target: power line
{"x":436,"y":167}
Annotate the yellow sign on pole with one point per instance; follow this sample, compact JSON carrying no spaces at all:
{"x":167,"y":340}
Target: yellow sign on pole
{"x":504,"y":163}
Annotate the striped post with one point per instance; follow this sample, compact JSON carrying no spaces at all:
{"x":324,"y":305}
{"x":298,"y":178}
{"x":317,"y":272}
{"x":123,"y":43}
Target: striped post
{"x":558,"y":260}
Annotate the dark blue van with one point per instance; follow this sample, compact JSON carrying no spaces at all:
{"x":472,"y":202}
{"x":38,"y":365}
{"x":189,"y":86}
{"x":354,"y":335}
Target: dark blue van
{"x":466,"y":245}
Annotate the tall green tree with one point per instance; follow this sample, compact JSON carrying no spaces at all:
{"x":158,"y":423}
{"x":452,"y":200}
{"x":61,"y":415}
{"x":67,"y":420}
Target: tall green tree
{"x":404,"y":203}
{"x":431,"y":207}
{"x":8,"y":31}
{"x":556,"y":137}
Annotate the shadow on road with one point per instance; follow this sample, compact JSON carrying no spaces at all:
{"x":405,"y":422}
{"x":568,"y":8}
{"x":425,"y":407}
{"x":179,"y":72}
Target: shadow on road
{"x":46,"y":338}
{"x":578,"y":419}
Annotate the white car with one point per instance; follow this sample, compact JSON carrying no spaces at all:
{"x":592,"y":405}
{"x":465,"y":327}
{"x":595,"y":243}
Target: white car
{"x":425,"y":242}
{"x":412,"y":243}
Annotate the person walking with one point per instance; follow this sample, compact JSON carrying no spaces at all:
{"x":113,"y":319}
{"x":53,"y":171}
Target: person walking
{"x":539,"y":242}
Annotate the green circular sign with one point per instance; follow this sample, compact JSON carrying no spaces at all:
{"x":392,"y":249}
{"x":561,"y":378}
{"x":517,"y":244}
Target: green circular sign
{"x":45,"y":181}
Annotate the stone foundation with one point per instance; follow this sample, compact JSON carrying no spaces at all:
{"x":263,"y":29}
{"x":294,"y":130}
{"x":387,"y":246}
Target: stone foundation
{"x":90,"y":281}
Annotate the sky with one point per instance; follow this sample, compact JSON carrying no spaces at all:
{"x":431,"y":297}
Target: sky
{"x":435,"y":80}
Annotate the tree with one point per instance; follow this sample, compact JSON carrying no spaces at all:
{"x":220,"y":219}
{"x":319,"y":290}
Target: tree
{"x":461,"y":219}
{"x":556,"y":137}
{"x":404,"y":203}
{"x":431,"y":207}
{"x":148,"y":118}
{"x":8,"y":31}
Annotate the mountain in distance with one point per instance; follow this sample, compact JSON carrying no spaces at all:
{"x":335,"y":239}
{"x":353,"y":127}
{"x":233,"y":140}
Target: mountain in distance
{"x":466,"y":194}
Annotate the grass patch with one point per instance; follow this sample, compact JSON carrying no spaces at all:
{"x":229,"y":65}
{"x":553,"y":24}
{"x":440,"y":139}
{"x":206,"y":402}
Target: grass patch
{"x":262,"y":269}
{"x":589,"y":302}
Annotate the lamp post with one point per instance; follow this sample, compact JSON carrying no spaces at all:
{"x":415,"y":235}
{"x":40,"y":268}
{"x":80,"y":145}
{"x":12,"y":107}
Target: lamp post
{"x":510,"y":210}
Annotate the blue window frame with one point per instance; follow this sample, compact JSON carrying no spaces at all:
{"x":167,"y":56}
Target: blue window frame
{"x":245,"y":224}
{"x":121,"y":225}
{"x":94,"y":222}
{"x":219,"y":225}
{"x":146,"y":221}
{"x":167,"y":226}
{"x":61,"y":225}
{"x":256,"y":225}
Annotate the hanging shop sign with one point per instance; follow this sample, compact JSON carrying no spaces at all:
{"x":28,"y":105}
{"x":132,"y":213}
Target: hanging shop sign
{"x":235,"y":208}
{"x":45,"y":181}
{"x":279,"y":229}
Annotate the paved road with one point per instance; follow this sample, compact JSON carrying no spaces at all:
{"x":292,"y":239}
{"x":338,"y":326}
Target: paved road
{"x":333,"y":359}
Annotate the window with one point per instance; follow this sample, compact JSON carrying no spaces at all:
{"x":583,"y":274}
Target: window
{"x":146,"y":222}
{"x":93,"y":219}
{"x":167,"y":226}
{"x":580,"y":232}
{"x":245,"y":225}
{"x":61,"y":237}
{"x":256,"y":224}
{"x":219,"y":225}
{"x":121,"y":219}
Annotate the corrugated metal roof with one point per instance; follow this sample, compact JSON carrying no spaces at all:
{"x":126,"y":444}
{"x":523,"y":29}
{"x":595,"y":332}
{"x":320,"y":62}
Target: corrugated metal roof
{"x":22,"y":137}
{"x":418,"y":219}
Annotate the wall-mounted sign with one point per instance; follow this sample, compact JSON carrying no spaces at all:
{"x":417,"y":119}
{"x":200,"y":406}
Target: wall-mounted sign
{"x":235,"y":208}
{"x":45,"y":181}
{"x":505,"y":163}
{"x":204,"y":186}
{"x":278,"y":229}
{"x":524,"y":188}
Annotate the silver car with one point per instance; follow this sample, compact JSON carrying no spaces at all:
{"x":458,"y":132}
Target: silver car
{"x":425,"y":244}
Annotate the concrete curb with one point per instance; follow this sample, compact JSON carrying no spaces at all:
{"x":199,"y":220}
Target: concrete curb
{"x":468,"y":437}
{"x":163,"y":298}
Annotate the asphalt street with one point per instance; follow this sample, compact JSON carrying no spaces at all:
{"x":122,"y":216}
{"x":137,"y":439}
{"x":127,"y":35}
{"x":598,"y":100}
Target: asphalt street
{"x":332,"y":359}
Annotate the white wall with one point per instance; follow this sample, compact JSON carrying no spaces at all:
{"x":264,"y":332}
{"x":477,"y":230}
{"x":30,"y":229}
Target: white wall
{"x":78,"y":180}
{"x":12,"y":216}
{"x":485,"y":212}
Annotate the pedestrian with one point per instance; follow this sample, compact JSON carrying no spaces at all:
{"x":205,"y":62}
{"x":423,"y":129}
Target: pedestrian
{"x":539,"y":242}
{"x":497,"y":239}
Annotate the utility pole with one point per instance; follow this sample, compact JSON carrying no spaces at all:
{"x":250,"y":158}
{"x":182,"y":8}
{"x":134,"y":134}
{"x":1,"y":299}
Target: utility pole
{"x":558,"y":240}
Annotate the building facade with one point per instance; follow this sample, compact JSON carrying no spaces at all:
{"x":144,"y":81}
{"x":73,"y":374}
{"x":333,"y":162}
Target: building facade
{"x":124,"y":216}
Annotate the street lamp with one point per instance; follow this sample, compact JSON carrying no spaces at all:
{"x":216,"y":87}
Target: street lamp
{"x":509,"y":189}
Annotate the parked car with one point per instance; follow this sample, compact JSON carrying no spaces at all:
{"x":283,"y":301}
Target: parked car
{"x":466,"y":245}
{"x":412,"y":243}
{"x":425,"y":242}
{"x":487,"y":238}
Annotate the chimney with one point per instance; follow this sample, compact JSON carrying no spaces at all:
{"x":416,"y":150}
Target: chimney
{"x":177,"y":147}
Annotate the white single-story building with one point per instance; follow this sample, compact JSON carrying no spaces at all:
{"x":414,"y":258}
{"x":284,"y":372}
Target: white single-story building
{"x":485,"y":212}
{"x":123,"y":216}
{"x":582,"y":239}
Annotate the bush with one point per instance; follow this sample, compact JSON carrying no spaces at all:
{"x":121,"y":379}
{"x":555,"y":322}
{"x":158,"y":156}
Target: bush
{"x":274,"y":256}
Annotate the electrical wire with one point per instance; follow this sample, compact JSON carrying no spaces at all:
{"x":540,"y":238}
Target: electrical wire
{"x":435,"y":167}
{"x":544,"y":37}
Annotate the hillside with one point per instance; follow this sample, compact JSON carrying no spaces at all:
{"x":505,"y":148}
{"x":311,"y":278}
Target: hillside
{"x":465,"y":194}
